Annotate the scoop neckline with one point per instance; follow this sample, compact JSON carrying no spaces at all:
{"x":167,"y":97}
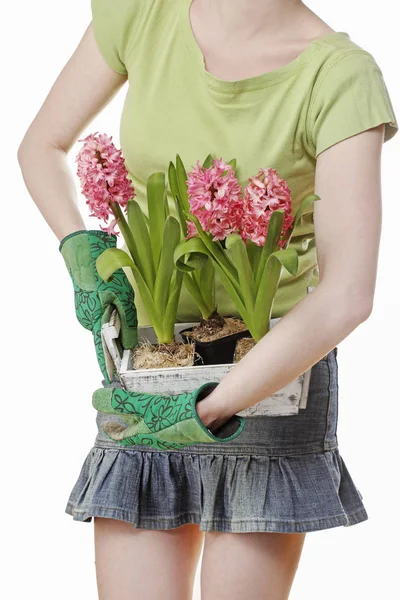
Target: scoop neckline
{"x":248,"y":83}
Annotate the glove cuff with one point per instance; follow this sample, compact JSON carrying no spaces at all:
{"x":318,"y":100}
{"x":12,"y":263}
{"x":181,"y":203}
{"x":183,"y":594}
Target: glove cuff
{"x":80,"y":250}
{"x":235,"y":424}
{"x":89,"y":232}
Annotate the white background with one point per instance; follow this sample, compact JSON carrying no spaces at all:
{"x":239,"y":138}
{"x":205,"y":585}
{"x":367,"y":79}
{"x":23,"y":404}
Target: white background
{"x":48,"y":422}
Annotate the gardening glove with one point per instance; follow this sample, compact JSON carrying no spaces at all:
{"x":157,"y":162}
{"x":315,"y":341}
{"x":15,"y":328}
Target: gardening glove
{"x":163,"y":422}
{"x":95,"y":299}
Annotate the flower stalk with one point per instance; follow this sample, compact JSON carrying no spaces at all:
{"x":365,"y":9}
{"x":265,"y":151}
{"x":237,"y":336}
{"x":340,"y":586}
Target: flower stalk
{"x":150,"y":241}
{"x":123,"y":227}
{"x":199,"y":281}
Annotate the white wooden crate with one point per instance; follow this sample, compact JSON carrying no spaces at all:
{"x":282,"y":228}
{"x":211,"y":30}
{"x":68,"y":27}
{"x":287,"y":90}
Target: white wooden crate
{"x":286,"y":401}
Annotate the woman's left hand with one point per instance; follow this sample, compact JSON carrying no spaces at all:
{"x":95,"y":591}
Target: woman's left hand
{"x":162,"y":421}
{"x":95,"y":299}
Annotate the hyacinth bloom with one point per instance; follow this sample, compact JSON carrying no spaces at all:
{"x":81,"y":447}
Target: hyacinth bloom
{"x":265,"y":193}
{"x":255,"y":225}
{"x":223,"y":207}
{"x":104,"y":179}
{"x":215,"y":198}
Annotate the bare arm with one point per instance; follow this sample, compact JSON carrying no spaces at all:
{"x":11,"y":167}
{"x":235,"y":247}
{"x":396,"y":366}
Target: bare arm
{"x":347,"y":230}
{"x":85,"y":85}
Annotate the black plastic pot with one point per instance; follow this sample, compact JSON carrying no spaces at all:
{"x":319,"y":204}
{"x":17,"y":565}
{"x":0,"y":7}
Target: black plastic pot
{"x":217,"y":352}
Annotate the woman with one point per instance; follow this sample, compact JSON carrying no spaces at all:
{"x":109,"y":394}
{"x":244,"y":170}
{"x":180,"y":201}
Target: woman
{"x":269,"y":83}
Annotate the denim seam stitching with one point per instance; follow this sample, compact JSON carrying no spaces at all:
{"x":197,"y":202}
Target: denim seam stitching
{"x":326,"y":443}
{"x":337,"y":393}
{"x":126,"y":510}
{"x":222,"y":520}
{"x":257,"y":519}
{"x":284,"y":452}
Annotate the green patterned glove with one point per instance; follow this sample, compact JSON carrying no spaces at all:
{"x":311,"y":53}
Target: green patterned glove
{"x":164,"y":422}
{"x":95,"y":298}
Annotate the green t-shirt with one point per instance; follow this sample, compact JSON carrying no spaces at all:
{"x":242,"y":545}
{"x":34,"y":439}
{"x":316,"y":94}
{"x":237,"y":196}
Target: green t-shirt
{"x":281,"y":119}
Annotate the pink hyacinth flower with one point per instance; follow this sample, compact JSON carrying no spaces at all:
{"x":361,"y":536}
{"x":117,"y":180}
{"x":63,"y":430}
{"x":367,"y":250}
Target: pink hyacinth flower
{"x":104,"y":178}
{"x":265,"y":193}
{"x":215,"y":198}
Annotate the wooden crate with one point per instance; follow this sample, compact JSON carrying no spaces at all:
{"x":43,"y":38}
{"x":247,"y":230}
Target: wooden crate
{"x":286,"y":401}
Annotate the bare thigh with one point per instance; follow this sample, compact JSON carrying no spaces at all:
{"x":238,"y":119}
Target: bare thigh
{"x":260,"y":566}
{"x":141,"y":564}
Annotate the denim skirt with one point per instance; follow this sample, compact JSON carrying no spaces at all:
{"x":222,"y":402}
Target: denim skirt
{"x":282,"y":474}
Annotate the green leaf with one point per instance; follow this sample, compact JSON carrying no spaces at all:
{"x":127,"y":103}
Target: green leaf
{"x":181,"y":217}
{"x":192,"y":258}
{"x":172,"y":180}
{"x":232,"y":163}
{"x":304,"y":204}
{"x":265,"y":298}
{"x":227,"y":272}
{"x":235,"y":297}
{"x":166,"y":204}
{"x":140,"y":232}
{"x":208,"y":162}
{"x":288,"y":258}
{"x":113,"y":259}
{"x":205,"y":277}
{"x":254,"y":254}
{"x":155,"y":200}
{"x":268,"y":287}
{"x":172,"y":307}
{"x":171,"y":237}
{"x":271,"y":242}
{"x":190,"y":254}
{"x":127,"y":234}
{"x":173,"y":184}
{"x":182,"y":185}
{"x":216,"y":252}
{"x":148,"y":301}
{"x":191,"y":283}
{"x":237,"y":248}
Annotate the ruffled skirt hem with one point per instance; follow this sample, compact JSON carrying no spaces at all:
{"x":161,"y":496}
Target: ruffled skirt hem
{"x":228,"y":493}
{"x":225,"y":525}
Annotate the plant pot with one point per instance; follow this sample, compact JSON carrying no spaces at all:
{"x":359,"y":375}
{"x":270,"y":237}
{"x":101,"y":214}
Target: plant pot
{"x":217,"y":351}
{"x":285,"y":402}
{"x":239,"y":351}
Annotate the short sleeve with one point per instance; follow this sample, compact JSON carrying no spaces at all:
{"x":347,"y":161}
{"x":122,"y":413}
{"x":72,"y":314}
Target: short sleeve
{"x":115,"y":26}
{"x":350,"y":98}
